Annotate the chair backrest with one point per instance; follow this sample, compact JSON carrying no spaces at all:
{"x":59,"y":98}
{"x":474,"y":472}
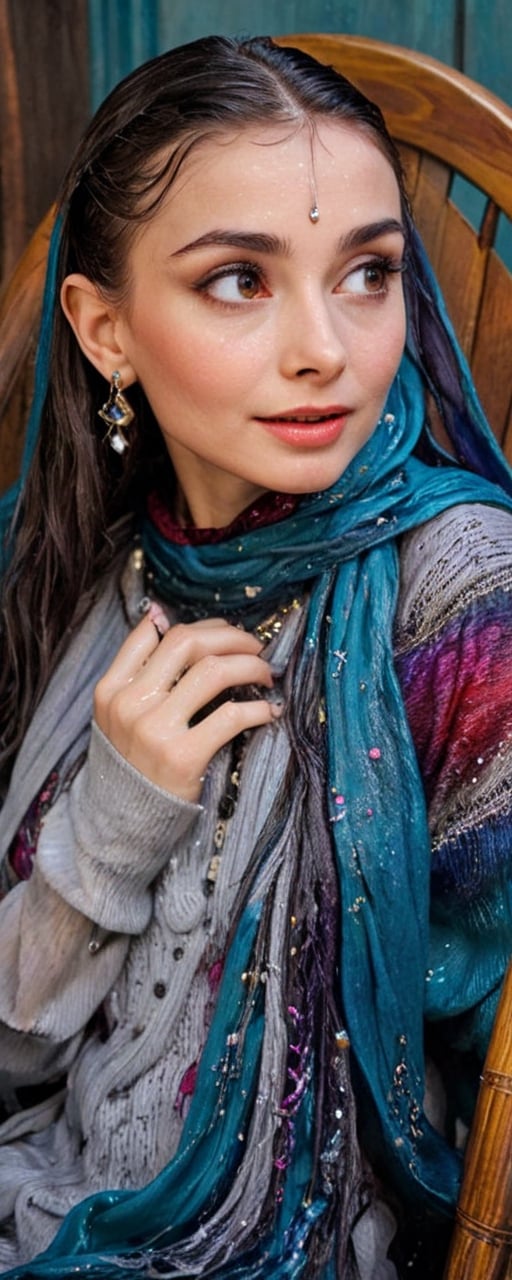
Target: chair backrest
{"x":447,"y":125}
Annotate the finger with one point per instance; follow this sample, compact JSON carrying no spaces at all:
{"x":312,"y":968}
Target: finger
{"x":134,"y":653}
{"x":182,"y":772}
{"x":159,"y":619}
{"x":141,"y":643}
{"x":184,"y":647}
{"x":211,"y":622}
{"x":211,"y":677}
{"x":226,"y":722}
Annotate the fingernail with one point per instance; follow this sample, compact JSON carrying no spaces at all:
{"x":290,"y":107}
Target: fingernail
{"x":276,"y":709}
{"x":157,"y":616}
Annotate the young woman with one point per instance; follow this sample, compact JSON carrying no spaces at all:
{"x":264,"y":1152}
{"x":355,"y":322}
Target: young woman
{"x":255,"y":740}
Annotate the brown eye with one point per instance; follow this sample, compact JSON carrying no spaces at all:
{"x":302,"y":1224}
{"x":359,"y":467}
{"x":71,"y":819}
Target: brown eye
{"x":238,"y":283}
{"x":248,"y":283}
{"x":375,"y":277}
{"x":369,"y":278}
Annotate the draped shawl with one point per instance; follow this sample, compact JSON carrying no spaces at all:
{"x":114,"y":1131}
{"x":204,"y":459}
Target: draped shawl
{"x":339,"y":551}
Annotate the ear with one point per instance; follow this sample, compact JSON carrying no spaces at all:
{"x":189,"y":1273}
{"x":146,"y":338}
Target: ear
{"x":94,"y":323}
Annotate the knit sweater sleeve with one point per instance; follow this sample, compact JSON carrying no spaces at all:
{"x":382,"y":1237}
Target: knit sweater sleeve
{"x":454,"y":661}
{"x":65,"y":932}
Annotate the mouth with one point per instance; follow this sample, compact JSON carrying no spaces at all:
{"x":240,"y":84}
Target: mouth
{"x":304,"y":418}
{"x":308,"y":428}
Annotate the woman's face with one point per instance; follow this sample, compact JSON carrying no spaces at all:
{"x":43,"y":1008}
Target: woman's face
{"x":265,"y":342}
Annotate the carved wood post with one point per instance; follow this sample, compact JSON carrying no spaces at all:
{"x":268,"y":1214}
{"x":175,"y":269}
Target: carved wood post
{"x":44,"y":107}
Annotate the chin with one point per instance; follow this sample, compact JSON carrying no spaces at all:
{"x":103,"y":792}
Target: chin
{"x":315,"y":480}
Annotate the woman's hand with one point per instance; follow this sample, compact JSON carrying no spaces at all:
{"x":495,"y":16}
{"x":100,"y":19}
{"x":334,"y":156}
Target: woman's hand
{"x":158,"y":683}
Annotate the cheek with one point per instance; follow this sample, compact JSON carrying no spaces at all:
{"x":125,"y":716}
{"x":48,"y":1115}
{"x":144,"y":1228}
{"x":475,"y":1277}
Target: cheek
{"x":191,"y":363}
{"x":384,"y":353}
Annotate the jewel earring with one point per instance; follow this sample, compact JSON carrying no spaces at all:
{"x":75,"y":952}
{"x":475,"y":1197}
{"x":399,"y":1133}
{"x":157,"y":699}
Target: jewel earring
{"x":117,"y":414}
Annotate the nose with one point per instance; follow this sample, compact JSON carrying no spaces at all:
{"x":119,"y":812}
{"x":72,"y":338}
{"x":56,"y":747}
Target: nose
{"x":310,"y":339}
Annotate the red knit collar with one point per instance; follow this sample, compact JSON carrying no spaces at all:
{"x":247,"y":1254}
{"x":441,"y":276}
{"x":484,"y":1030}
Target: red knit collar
{"x":268,"y":509}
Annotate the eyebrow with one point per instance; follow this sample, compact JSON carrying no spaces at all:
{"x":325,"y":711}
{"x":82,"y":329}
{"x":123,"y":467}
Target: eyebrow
{"x":261,"y":242}
{"x":372,"y":231}
{"x":257,"y":242}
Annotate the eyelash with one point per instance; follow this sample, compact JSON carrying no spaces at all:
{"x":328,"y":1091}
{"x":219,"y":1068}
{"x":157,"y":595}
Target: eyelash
{"x":389,"y":266}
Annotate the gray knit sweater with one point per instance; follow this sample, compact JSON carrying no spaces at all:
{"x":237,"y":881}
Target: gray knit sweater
{"x":115,"y":916}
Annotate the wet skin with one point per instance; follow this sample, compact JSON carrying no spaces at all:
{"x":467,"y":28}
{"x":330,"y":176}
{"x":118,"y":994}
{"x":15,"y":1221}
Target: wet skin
{"x":242,"y":312}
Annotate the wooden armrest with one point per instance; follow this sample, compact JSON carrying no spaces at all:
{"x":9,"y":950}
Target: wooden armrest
{"x":481,"y":1247}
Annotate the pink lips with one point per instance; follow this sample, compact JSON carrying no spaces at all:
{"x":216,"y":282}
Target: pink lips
{"x":308,"y":427}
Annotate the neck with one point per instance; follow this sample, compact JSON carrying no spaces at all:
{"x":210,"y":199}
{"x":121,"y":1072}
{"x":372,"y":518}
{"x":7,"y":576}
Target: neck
{"x":211,"y":505}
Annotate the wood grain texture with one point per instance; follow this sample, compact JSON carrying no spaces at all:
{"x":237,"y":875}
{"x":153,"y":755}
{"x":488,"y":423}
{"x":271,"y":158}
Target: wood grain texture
{"x":12,"y":184}
{"x":482,"y":1242}
{"x":44,"y":107}
{"x":428,"y":105}
{"x":492,"y":350}
{"x":461,"y":263}
{"x":473,"y":35}
{"x":487,"y":44}
{"x":20,"y":306}
{"x":123,"y":34}
{"x":429,"y":25}
{"x":428,"y":199}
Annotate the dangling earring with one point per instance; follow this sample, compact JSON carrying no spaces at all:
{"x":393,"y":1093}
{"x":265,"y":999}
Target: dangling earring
{"x":117,"y":413}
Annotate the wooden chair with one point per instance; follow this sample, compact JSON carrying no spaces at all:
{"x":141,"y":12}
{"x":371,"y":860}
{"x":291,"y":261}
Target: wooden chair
{"x":444,"y":125}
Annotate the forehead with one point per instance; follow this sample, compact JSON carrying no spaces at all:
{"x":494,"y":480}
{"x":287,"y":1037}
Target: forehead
{"x":322,"y":148}
{"x":267,"y":177}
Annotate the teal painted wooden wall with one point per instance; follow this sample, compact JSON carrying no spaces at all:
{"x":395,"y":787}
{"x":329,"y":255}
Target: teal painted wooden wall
{"x":473,"y":35}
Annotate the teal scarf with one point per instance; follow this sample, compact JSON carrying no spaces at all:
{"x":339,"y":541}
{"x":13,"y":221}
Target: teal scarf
{"x":342,"y":546}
